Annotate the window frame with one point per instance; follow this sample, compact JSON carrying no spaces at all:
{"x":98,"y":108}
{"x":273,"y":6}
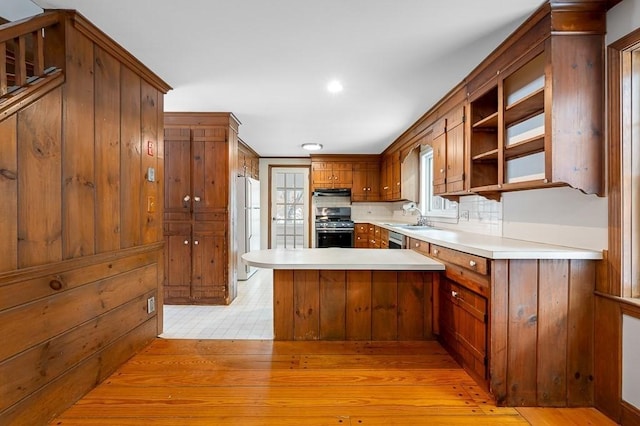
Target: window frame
{"x":428,"y":201}
{"x":623,"y":183}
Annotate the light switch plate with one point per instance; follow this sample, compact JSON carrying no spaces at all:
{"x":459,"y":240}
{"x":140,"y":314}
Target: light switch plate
{"x":151,"y":174}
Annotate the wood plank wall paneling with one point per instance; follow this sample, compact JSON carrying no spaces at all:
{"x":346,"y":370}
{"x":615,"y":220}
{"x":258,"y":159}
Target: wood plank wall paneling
{"x":581,"y":337}
{"x":9,"y":191}
{"x":522,"y":332}
{"x":384,"y":305}
{"x":306,"y":305}
{"x":107,"y":145}
{"x":553,"y":306}
{"x":152,"y":217}
{"x":78,"y":190}
{"x":333,"y":305}
{"x":411,"y":305}
{"x":39,"y":181}
{"x":608,"y":355}
{"x":358,"y":305}
{"x":130,"y":159}
{"x":78,"y":381}
{"x":79,"y":257}
{"x":283,"y":304}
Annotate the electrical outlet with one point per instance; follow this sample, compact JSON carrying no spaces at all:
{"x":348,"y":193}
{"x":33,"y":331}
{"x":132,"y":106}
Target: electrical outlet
{"x":464,"y":215}
{"x":151,"y":304}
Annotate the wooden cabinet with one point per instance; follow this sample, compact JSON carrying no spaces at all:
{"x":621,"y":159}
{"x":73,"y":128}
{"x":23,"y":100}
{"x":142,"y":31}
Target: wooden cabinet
{"x":200,"y":163}
{"x":449,"y":153}
{"x":463,"y":326}
{"x":331,"y":174}
{"x":391,"y":177}
{"x":384,"y":238}
{"x":539,"y":122}
{"x":361,"y":238}
{"x":366,"y":181}
{"x":248,"y":161}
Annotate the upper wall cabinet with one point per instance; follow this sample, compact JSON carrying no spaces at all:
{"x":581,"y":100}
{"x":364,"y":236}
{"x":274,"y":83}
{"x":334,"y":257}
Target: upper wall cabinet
{"x":331,"y":174}
{"x":538,"y":120}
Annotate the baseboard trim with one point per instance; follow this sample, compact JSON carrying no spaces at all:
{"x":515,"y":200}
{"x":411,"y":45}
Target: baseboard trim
{"x":630,"y":415}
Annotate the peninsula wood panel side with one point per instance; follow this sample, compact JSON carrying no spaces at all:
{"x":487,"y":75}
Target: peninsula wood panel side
{"x":352,"y":305}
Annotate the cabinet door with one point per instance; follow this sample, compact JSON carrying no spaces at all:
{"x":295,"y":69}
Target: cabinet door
{"x":360,"y":182}
{"x":342,"y":175}
{"x":210,"y":263}
{"x":177,"y":288}
{"x":373,"y":182}
{"x":471,"y":330}
{"x":455,"y":152}
{"x":439,"y":163}
{"x":210,"y":172}
{"x":396,"y":178}
{"x":177,"y":174}
{"x":321,"y":175}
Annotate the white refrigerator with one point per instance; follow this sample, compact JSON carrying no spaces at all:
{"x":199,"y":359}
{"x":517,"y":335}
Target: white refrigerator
{"x":248,"y":222}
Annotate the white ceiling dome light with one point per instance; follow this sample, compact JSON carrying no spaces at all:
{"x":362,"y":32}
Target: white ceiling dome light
{"x":312,"y":146}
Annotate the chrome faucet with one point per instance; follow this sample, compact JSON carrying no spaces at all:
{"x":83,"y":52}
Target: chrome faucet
{"x":422,"y":219}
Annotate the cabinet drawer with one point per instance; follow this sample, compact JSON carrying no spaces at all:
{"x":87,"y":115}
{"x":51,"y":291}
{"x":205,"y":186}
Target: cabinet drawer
{"x":469,"y":261}
{"x":362,"y":228}
{"x":419,"y":246}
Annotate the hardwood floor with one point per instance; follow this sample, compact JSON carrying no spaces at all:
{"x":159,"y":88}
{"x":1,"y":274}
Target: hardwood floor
{"x":223,"y":382}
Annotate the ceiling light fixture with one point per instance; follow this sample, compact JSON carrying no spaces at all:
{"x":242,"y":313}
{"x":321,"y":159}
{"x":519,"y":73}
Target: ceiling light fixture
{"x":334,"y":86}
{"x":312,"y":146}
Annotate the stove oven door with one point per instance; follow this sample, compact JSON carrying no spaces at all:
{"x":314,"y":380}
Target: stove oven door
{"x":334,"y":238}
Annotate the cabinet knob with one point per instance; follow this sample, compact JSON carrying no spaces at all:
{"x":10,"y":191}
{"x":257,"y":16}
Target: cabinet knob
{"x":441,"y":170}
{"x":186,"y":242}
{"x":454,"y":294}
{"x":417,"y":244}
{"x":196,"y":199}
{"x":472,"y":263}
{"x":435,"y":251}
{"x":186,"y":198}
{"x":196,"y":242}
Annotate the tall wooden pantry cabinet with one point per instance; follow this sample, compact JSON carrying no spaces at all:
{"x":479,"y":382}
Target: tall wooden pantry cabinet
{"x":199,"y":225}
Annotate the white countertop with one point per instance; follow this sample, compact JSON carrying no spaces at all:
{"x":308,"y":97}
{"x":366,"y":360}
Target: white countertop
{"x":342,"y":258}
{"x":492,"y":247}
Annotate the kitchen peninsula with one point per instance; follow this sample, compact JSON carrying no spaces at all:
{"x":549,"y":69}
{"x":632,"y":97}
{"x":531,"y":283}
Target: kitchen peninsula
{"x":350,"y":294}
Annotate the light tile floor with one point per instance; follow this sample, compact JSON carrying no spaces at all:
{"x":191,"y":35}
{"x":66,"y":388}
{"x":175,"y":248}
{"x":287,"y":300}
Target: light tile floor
{"x":249,"y":316}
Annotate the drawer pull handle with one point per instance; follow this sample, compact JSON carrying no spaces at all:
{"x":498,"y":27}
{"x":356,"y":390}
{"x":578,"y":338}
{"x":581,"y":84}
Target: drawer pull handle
{"x":472,"y":263}
{"x":55,"y":284}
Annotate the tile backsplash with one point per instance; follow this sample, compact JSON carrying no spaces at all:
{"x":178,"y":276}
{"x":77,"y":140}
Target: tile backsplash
{"x":561,"y":216}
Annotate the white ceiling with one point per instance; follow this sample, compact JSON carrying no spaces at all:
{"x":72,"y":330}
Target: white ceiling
{"x":269,"y":62}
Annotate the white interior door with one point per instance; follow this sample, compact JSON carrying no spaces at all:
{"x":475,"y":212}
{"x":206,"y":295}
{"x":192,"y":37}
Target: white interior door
{"x":289,"y":207}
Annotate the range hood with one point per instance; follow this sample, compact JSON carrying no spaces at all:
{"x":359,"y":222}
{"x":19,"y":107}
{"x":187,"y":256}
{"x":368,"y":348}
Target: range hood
{"x":332,"y":192}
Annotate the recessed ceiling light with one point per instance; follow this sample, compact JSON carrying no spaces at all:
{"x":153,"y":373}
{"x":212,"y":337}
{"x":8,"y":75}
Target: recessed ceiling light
{"x":312,"y":146}
{"x":334,"y":86}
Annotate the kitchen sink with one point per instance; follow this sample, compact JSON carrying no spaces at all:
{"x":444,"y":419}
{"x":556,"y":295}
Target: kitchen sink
{"x":413,"y":227}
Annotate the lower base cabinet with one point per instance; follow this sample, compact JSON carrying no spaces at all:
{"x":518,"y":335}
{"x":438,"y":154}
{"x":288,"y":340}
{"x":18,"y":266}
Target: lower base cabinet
{"x":463,"y":326}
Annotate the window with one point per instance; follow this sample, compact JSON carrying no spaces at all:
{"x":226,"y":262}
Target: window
{"x":431,"y":205}
{"x":624,"y":166}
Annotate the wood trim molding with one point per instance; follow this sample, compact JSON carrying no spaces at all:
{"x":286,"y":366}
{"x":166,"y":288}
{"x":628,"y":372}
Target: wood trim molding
{"x":80,"y":23}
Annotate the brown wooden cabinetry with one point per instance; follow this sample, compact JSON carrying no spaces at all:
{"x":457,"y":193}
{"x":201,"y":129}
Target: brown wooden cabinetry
{"x":390,"y":177}
{"x":248,"y":161}
{"x":200,"y":163}
{"x":331,"y":174}
{"x":537,"y":122}
{"x":366,"y":181}
{"x":361,"y":238}
{"x":447,"y":141}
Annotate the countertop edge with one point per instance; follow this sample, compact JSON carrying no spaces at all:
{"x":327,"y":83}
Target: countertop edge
{"x":537,"y":251}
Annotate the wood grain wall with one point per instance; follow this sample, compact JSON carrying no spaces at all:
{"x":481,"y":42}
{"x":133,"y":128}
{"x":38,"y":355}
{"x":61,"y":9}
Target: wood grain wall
{"x":81,"y":246}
